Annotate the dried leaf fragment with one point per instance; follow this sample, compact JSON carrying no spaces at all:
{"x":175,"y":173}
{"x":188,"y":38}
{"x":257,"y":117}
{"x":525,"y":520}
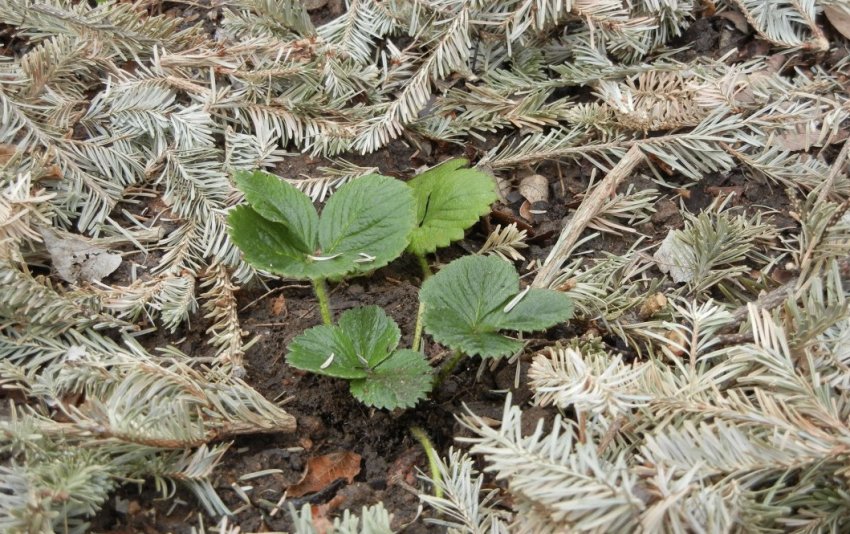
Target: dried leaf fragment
{"x":535,"y":188}
{"x":76,"y":259}
{"x":6,"y":153}
{"x":674,"y":258}
{"x":278,"y":305}
{"x":839,"y":17}
{"x":737,"y":19}
{"x":324,"y":470}
{"x":652,"y":305}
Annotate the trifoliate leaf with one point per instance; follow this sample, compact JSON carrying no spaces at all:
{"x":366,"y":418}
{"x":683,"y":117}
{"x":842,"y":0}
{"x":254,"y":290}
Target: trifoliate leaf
{"x":448,"y":201}
{"x":363,"y":338}
{"x":364,"y":226}
{"x":362,"y":347}
{"x":471,"y":299}
{"x":399,"y":382}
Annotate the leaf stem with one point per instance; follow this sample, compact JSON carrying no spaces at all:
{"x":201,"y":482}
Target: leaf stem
{"x":321,"y":289}
{"x":448,"y":368}
{"x":423,"y":263}
{"x":426,"y":273}
{"x":417,"y":333}
{"x":433,"y":462}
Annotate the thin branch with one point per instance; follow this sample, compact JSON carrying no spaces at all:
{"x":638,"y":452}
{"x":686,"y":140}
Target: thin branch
{"x":768,"y":301}
{"x":585,"y":213}
{"x":837,"y":167}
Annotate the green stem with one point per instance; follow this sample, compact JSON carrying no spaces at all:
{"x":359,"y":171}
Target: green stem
{"x":321,"y":289}
{"x":448,"y":368}
{"x":423,"y":263}
{"x":433,"y":462}
{"x":417,"y":333}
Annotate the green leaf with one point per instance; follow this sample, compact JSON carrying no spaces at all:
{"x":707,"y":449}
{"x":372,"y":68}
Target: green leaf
{"x":449,"y":329}
{"x":538,"y":309}
{"x":372,"y":333}
{"x":363,"y":345}
{"x":371,"y":216}
{"x":465,"y":306}
{"x":399,"y":382}
{"x":364,"y":226}
{"x":280,"y":202}
{"x":448,"y":201}
{"x":366,"y":333}
{"x":268,"y":245}
{"x":325,"y":350}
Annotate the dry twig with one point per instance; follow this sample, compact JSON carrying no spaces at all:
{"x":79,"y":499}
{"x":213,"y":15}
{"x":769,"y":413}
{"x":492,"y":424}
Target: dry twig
{"x":585,"y":213}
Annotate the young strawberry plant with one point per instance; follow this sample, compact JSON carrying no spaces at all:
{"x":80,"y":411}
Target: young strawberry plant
{"x":473,"y":299}
{"x":364,"y":225}
{"x":449,"y":199}
{"x":362,"y":348}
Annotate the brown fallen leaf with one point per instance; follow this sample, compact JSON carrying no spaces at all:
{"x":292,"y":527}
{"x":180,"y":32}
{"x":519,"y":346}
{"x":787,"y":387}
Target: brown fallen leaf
{"x":839,"y":17}
{"x":403,"y":469}
{"x":737,"y":19}
{"x":804,"y":140}
{"x":567,"y":285}
{"x":652,"y":305}
{"x":525,"y":211}
{"x":323,"y":470}
{"x":723,"y":191}
{"x":684,"y":193}
{"x":535,"y":188}
{"x":677,"y":337}
{"x":506,"y":218}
